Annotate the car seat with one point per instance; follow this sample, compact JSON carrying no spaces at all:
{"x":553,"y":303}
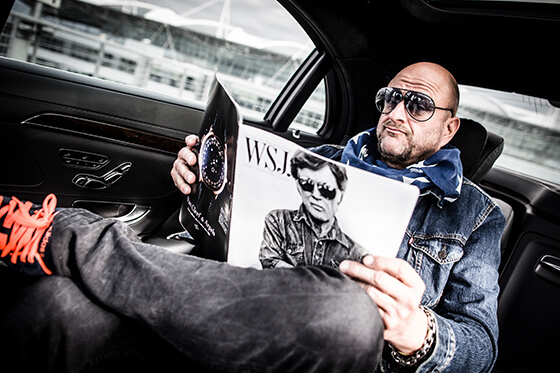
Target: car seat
{"x":480,"y":148}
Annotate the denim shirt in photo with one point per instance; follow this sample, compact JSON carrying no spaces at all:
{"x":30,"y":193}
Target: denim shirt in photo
{"x":290,"y":240}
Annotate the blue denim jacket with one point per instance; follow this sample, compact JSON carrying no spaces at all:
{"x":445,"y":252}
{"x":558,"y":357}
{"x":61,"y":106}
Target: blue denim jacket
{"x":290,"y":240}
{"x":456,"y":250}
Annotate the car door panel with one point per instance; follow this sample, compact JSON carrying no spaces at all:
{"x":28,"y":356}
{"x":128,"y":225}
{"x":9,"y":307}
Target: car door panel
{"x":529,"y":301}
{"x":41,"y":170}
{"x":93,"y":146}
{"x":31,"y":89}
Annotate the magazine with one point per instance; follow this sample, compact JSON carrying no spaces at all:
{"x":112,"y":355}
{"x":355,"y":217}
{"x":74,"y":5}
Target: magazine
{"x":251,"y":211}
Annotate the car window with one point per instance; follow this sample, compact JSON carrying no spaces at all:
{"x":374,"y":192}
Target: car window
{"x":529,"y":125}
{"x":169,"y":46}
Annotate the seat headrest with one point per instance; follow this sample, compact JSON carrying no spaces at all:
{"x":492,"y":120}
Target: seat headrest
{"x":479,"y":148}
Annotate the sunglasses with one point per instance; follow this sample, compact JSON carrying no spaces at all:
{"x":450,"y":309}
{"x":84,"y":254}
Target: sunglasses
{"x":325,"y":190}
{"x":419,"y":106}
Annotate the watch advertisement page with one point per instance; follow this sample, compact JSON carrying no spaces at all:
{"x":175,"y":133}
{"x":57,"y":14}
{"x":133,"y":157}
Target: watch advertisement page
{"x":206,"y":212}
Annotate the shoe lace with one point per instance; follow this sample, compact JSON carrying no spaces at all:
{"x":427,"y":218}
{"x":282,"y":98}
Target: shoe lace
{"x":26,"y":230}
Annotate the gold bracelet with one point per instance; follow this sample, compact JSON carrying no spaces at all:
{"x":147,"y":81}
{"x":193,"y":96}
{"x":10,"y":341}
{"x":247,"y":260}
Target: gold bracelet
{"x":409,"y":360}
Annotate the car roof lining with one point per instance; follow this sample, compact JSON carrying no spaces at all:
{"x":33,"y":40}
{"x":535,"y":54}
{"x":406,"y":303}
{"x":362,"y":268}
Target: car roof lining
{"x":492,"y":50}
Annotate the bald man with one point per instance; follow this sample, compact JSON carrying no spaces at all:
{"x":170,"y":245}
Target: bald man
{"x":433,"y":308}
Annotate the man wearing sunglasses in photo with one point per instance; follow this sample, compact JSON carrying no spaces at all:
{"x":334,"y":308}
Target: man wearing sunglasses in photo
{"x":433,"y":308}
{"x":310,"y":235}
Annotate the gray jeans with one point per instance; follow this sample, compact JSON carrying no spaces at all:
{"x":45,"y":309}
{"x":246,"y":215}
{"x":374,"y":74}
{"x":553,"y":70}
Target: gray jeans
{"x":226,"y":318}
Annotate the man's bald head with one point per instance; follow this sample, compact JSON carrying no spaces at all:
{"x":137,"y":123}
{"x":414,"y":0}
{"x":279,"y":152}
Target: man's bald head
{"x":436,"y":75}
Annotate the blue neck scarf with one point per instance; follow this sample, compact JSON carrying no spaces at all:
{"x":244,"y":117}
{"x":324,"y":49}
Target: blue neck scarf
{"x":441,"y":174}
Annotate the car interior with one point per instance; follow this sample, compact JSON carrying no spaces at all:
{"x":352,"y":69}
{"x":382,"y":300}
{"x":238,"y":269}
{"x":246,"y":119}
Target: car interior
{"x":109,"y":147}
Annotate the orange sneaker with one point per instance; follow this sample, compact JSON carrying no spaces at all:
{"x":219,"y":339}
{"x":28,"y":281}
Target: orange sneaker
{"x":25,"y":230}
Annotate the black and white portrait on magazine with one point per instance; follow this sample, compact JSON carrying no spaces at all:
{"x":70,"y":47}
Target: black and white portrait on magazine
{"x":366,"y":213}
{"x":310,"y":234}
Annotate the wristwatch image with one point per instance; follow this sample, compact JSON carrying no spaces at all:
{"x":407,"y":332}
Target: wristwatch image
{"x":206,"y":211}
{"x":212,"y":162}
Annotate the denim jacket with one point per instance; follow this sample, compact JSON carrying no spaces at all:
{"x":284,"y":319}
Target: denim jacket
{"x":455,"y":248}
{"x":290,"y":240}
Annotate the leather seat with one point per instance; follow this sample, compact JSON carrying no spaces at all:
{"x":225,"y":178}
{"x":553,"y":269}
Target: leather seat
{"x":479,"y":150}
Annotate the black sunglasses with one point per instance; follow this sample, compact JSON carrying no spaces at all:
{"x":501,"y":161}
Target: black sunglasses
{"x":419,"y":106}
{"x":308,"y":185}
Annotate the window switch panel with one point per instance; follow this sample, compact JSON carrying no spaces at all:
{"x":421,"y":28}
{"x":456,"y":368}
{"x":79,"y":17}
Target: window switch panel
{"x":81,"y":159}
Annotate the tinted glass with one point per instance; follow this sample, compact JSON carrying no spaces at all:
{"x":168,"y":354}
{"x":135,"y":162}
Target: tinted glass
{"x":169,"y":46}
{"x":529,"y":125}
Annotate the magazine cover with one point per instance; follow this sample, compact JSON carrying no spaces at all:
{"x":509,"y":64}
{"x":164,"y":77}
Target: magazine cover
{"x":263,"y":201}
{"x":292,"y":207}
{"x":206,"y":212}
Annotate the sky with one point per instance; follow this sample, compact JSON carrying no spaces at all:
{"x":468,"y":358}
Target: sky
{"x":263,"y":18}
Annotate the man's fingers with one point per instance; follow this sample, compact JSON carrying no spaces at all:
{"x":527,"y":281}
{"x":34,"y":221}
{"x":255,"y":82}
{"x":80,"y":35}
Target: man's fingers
{"x":181,"y":173}
{"x":397,"y":290}
{"x":191,"y":141}
{"x":375,"y":277}
{"x":187,"y":155}
{"x":384,"y":279}
{"x":397,"y":268}
{"x":182,"y":177}
{"x":380,"y":298}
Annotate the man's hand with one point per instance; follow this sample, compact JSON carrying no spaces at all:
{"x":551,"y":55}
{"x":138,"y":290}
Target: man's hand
{"x":182,"y":173}
{"x":397,"y":289}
